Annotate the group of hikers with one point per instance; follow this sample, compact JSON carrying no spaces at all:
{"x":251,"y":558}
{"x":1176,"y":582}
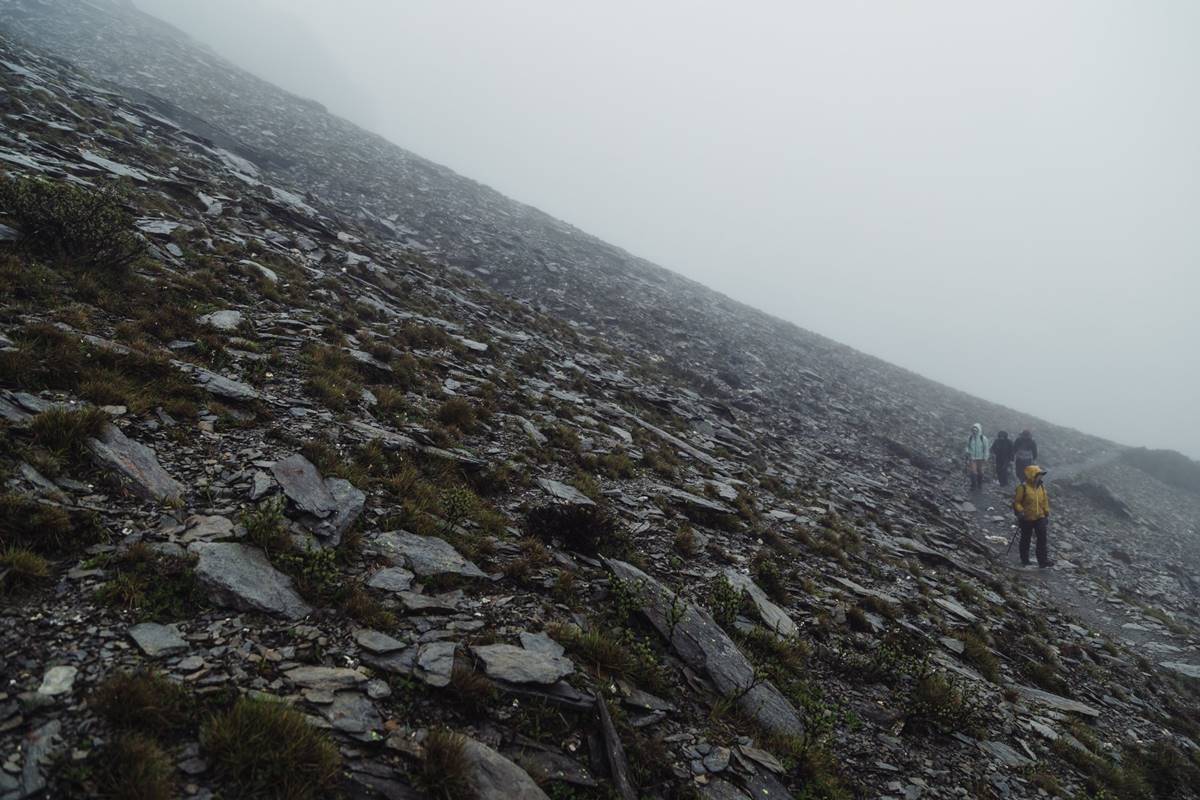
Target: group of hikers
{"x":1030,"y":502}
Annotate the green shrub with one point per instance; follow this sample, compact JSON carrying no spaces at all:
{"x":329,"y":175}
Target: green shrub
{"x":263,"y":749}
{"x":586,"y":529}
{"x":69,"y":224}
{"x":152,"y":586}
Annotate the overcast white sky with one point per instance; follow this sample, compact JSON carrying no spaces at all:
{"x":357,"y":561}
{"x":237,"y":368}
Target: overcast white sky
{"x":1001,"y":196}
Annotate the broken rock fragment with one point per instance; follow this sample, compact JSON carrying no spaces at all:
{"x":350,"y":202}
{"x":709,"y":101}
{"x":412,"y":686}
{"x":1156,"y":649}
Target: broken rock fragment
{"x":514,"y":664}
{"x":425,"y":555}
{"x":135,"y":464}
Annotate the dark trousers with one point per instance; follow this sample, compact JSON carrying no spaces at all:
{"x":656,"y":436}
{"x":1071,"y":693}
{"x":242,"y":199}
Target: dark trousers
{"x":1028,"y":527}
{"x":1021,"y":464}
{"x":1002,"y":471}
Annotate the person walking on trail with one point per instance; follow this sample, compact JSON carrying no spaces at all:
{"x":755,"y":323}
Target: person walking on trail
{"x":1032,"y":506}
{"x":977,"y":455}
{"x":1025,"y":452}
{"x":1002,"y":452}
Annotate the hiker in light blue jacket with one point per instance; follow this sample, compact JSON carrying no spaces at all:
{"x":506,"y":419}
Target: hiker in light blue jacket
{"x":978,"y":450}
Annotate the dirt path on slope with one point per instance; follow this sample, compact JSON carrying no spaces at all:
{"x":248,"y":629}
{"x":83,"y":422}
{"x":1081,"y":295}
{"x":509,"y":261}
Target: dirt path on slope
{"x":1063,"y":586}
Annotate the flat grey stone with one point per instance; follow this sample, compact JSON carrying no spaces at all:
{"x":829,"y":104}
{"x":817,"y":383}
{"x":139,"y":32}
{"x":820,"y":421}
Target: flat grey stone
{"x":514,"y":664}
{"x":349,"y":503}
{"x":157,"y":640}
{"x":706,"y":648}
{"x":135,"y":464}
{"x":1055,"y":701}
{"x":494,"y":777}
{"x":39,"y":747}
{"x":304,"y":486}
{"x":227,"y":320}
{"x":261,"y":484}
{"x":446,"y":602}
{"x":207,"y":529}
{"x":773,"y":617}
{"x":425,"y":555}
{"x":391,"y":579}
{"x":1005,"y":754}
{"x":434,"y":662}
{"x":241,"y":577}
{"x":377,"y":642}
{"x":564,"y":493}
{"x":58,"y":681}
{"x":222,"y":386}
{"x":353,"y":713}
{"x":696,"y":501}
{"x":541,"y":643}
{"x":956,"y":609}
{"x":717,"y":760}
{"x":1187,"y":670}
{"x":325,"y":678}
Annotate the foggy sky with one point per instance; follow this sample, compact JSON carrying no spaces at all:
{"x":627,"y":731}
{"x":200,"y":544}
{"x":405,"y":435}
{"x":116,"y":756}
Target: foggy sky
{"x":1002,"y":197}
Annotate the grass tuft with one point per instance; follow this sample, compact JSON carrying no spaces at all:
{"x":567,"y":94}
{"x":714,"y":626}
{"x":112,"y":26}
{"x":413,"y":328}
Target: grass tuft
{"x":134,"y":767}
{"x":264,"y":749}
{"x":443,"y":772}
{"x":143,"y":701}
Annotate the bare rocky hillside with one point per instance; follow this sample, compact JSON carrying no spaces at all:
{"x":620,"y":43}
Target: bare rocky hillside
{"x":329,"y":472}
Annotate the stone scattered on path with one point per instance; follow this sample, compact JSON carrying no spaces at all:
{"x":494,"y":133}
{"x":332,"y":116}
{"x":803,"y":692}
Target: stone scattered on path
{"x":514,"y":664}
{"x":239,"y":576}
{"x":135,"y":464}
{"x":157,"y":640}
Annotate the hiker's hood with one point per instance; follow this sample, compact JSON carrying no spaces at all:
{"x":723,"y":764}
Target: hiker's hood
{"x":976,"y":429}
{"x":1032,"y":472}
{"x":1002,"y":435}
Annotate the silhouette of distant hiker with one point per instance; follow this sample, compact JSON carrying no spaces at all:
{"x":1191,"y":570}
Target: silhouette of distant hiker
{"x":1032,"y":507}
{"x":977,"y":455}
{"x":1002,"y":452}
{"x":1025,"y":452}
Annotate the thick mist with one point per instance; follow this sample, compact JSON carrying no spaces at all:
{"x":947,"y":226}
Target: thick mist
{"x":1000,"y":197}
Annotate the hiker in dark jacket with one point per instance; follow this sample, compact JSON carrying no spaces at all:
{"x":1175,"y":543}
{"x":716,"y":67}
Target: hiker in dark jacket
{"x":1002,"y":452}
{"x":1025,"y":452}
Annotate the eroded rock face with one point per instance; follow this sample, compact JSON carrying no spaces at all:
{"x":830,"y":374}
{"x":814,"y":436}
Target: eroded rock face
{"x":241,"y":577}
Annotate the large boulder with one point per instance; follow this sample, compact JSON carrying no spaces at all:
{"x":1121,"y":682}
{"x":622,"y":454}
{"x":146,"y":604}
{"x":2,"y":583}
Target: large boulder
{"x":241,"y":577}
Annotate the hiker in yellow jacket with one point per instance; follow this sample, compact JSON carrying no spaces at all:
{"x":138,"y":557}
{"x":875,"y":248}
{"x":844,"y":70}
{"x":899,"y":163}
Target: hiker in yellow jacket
{"x":1032,"y":507}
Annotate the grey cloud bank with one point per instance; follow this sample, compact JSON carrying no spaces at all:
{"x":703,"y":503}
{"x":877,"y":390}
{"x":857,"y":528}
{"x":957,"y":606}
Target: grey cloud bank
{"x":1000,"y":198}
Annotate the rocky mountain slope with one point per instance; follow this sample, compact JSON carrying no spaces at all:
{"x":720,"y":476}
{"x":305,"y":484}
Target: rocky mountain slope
{"x":493,"y":508}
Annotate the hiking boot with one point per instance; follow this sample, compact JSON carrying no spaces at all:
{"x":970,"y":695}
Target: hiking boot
{"x":1047,"y":565}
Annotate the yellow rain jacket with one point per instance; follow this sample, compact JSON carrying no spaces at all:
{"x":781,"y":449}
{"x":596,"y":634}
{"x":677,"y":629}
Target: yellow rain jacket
{"x":1030,"y":501}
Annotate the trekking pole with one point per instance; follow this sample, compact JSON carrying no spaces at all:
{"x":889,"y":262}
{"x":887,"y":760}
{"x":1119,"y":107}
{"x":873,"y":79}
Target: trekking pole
{"x":1010,"y":541}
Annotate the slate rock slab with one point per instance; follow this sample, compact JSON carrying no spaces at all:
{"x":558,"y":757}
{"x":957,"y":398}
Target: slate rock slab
{"x":227,"y":320}
{"x":1055,"y":701}
{"x":706,"y":648}
{"x":207,"y":528}
{"x":391,"y":579}
{"x":304,"y":486}
{"x":1187,"y":670}
{"x":325,"y":678}
{"x":564,"y":493}
{"x":541,"y":643}
{"x":222,"y":386}
{"x":494,"y":777}
{"x":425,"y":555}
{"x":135,"y":464}
{"x":58,"y":681}
{"x":353,"y":713}
{"x":349,"y":502}
{"x":157,"y":640}
{"x":774,"y":617}
{"x":241,"y":577}
{"x":514,"y":664}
